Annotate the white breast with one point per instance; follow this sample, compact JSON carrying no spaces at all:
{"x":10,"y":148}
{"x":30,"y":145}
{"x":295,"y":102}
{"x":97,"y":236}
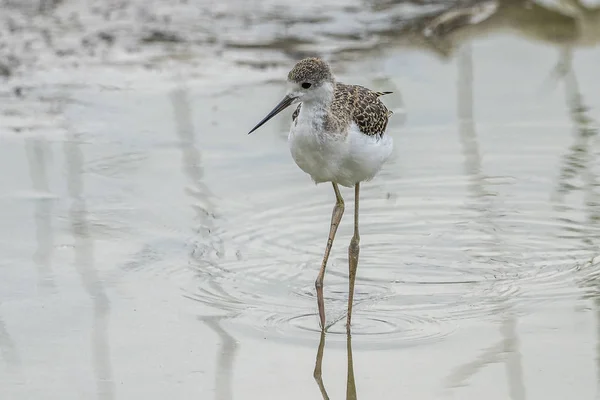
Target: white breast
{"x":335,"y":157}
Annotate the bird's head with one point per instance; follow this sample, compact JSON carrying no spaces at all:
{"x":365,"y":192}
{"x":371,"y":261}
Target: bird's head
{"x":311,"y":79}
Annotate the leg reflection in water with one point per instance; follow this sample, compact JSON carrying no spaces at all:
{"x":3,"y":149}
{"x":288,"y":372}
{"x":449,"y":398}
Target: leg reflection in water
{"x":318,"y":373}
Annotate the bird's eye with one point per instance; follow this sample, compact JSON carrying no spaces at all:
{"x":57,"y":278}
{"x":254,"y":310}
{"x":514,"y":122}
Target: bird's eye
{"x":306,"y":85}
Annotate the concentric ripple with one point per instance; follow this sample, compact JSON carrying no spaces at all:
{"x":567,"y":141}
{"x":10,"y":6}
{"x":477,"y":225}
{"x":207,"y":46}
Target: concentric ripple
{"x":276,"y":298}
{"x":428,"y":263}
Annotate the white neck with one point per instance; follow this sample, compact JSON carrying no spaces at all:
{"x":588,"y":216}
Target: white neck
{"x":315,"y":104}
{"x":322,"y":96}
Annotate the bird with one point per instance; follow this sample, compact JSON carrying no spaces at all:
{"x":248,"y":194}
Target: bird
{"x":337,"y":135}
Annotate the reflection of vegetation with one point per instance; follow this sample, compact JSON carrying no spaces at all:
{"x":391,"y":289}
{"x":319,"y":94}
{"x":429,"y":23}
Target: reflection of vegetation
{"x":577,"y":175}
{"x":226,"y":356}
{"x":208,"y":245}
{"x":84,"y":263}
{"x":507,"y":350}
{"x":38,"y":153}
{"x":8,"y":350}
{"x":444,"y":30}
{"x":577,"y":171}
{"x":318,"y":372}
{"x":538,"y":23}
{"x":591,"y":282}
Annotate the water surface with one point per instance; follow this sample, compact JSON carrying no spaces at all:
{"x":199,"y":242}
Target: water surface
{"x":151,"y":248}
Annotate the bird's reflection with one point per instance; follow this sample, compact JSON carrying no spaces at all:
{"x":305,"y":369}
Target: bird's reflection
{"x":38,"y":154}
{"x":225,"y":358}
{"x":318,"y":371}
{"x":84,"y":263}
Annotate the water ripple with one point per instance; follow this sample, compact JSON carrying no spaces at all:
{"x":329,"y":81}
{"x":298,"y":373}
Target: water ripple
{"x":428,"y":263}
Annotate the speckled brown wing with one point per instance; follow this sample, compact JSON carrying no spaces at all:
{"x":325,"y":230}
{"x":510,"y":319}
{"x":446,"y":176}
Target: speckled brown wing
{"x":362,"y":106}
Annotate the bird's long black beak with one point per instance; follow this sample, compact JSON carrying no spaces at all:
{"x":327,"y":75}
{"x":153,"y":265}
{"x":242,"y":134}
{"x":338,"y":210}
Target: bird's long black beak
{"x":283,"y":104}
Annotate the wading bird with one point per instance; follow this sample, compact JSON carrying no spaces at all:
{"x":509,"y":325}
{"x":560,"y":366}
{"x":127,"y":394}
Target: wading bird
{"x":337,"y":135}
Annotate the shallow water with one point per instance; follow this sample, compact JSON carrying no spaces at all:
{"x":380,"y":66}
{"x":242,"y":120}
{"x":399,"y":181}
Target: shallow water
{"x":151,"y":248}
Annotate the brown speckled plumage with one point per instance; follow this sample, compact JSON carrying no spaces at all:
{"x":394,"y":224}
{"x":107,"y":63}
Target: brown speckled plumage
{"x":353,"y":103}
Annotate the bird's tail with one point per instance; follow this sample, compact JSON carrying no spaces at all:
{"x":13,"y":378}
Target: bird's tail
{"x":379,"y":94}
